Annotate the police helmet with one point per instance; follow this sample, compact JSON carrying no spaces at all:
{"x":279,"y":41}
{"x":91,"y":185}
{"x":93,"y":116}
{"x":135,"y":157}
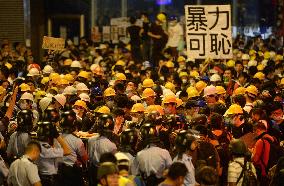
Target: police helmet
{"x":185,"y":141}
{"x":148,"y":131}
{"x":25,"y":120}
{"x":105,"y":123}
{"x":51,"y":114}
{"x":44,"y":130}
{"x":128,"y":137}
{"x":68,"y":119}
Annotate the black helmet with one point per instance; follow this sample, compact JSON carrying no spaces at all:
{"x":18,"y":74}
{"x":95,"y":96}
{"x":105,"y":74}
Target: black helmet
{"x":238,"y":147}
{"x":25,"y":120}
{"x":68,"y":120}
{"x":105,"y":123}
{"x":44,"y":130}
{"x":183,"y":141}
{"x":51,"y":114}
{"x":128,"y":138}
{"x":148,"y":131}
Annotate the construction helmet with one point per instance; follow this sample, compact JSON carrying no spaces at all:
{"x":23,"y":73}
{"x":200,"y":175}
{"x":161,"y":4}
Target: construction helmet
{"x":2,"y":90}
{"x":161,"y":17}
{"x":194,"y":74}
{"x":155,"y":108}
{"x":83,"y":74}
{"x":120,"y":63}
{"x":252,"y":90}
{"x":170,"y":86}
{"x":282,"y":81}
{"x":85,"y":97}
{"x":70,"y":90}
{"x":44,"y":103}
{"x":259,"y":75}
{"x":180,"y":59}
{"x":61,"y":99}
{"x":148,"y":83}
{"x":234,"y":109}
{"x":169,"y":99}
{"x":179,"y":102}
{"x":68,"y":77}
{"x":63,"y":82}
{"x":239,"y":91}
{"x":260,"y":67}
{"x":47,"y":69}
{"x":44,"y":80}
{"x":138,"y":107}
{"x":93,"y":67}
{"x":106,"y":168}
{"x":103,"y":110}
{"x":170,"y":64}
{"x":81,"y":103}
{"x":266,"y":55}
{"x":39,"y":94}
{"x":192,"y":92}
{"x":24,"y":87}
{"x":82,"y":87}
{"x":252,"y":63}
{"x":34,"y":65}
{"x":76,"y":64}
{"x":27,"y":96}
{"x":200,"y":86}
{"x":67,"y":62}
{"x":8,"y":65}
{"x":148,"y":92}
{"x":215,"y":78}
{"x":210,"y":90}
{"x":120,"y":77}
{"x":231,"y":63}
{"x":238,"y":147}
{"x":109,"y":92}
{"x":252,"y":52}
{"x":220,"y":90}
{"x":279,"y":57}
{"x":183,"y":74}
{"x":245,"y":57}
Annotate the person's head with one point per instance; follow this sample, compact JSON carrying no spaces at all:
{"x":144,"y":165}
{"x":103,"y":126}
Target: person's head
{"x":235,"y":115}
{"x":206,"y":176}
{"x":144,"y":17}
{"x":33,"y":150}
{"x":132,"y":20}
{"x":228,"y":75}
{"x":239,"y":66}
{"x":276,"y":112}
{"x":243,"y":78}
{"x":177,"y":173}
{"x":108,"y":174}
{"x":240,"y":100}
{"x":257,"y":114}
{"x":238,"y":148}
{"x":216,"y":121}
{"x":4,"y":73}
{"x":210,"y":95}
{"x":260,"y":127}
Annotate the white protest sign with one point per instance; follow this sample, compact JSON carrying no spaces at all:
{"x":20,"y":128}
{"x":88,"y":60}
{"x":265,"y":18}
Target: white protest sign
{"x":208,"y":31}
{"x":52,"y":43}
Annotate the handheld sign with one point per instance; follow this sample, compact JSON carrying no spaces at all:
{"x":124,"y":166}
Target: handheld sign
{"x":53,"y":43}
{"x":208,"y":31}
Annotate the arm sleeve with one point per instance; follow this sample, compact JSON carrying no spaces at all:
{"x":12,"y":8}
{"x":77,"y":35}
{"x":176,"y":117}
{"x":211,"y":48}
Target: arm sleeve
{"x":32,"y":173}
{"x":257,"y":151}
{"x":53,"y":153}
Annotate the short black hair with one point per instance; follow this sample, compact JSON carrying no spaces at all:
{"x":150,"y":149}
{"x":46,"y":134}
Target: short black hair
{"x":176,"y":170}
{"x":132,"y":20}
{"x":108,"y":157}
{"x":31,"y":145}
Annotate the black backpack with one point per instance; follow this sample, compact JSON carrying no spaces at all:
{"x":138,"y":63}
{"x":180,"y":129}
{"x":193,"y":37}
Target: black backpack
{"x":249,"y":178}
{"x":276,"y":151}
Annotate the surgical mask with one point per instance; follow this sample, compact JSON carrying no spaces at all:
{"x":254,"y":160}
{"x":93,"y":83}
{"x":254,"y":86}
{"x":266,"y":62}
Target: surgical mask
{"x":184,"y":81}
{"x":24,"y":105}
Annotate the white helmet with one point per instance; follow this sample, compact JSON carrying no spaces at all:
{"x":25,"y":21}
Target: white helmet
{"x":69,"y":90}
{"x":47,"y":69}
{"x":167,"y":92}
{"x":215,"y":78}
{"x":93,"y":67}
{"x":76,"y":64}
{"x":252,"y":63}
{"x":135,"y":98}
{"x":210,"y":90}
{"x":27,"y":96}
{"x":44,"y":103}
{"x":81,"y":86}
{"x":61,"y":99}
{"x":33,"y":72}
{"x":121,"y":156}
{"x":264,"y":62}
{"x":84,"y":97}
{"x":245,"y":57}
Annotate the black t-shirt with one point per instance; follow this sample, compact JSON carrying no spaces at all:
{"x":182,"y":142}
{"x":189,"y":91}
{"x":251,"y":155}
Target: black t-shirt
{"x":134,"y":31}
{"x":158,"y":30}
{"x":146,"y":27}
{"x":241,"y":130}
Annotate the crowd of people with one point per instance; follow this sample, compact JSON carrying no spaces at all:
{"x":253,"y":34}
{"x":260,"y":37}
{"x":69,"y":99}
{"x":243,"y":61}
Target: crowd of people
{"x":142,"y":113}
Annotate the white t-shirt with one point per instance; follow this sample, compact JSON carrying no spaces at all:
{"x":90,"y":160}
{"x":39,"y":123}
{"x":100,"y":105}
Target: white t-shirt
{"x":175,"y":33}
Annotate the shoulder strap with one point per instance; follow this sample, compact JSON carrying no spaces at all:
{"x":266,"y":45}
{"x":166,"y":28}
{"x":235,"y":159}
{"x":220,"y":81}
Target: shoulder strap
{"x":243,"y":170}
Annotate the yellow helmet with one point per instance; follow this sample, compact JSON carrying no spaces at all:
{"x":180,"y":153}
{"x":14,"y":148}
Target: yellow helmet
{"x":24,"y":87}
{"x":234,"y":109}
{"x":81,"y":103}
{"x":259,"y":75}
{"x":220,"y":90}
{"x":120,"y":77}
{"x":170,"y":86}
{"x":282,"y":81}
{"x":192,"y":92}
{"x":44,"y":80}
{"x":161,"y":17}
{"x":8,"y":65}
{"x":266,"y":55}
{"x":252,"y":52}
{"x":69,"y":77}
{"x":169,"y":99}
{"x":2,"y":90}
{"x":148,"y":83}
{"x":155,"y":108}
{"x":231,"y":63}
{"x":54,"y":77}
{"x":138,"y":107}
{"x":260,"y":53}
{"x":170,"y":64}
{"x":239,"y":91}
{"x":103,"y":110}
{"x":200,"y":86}
{"x":252,"y":90}
{"x":179,"y":102}
{"x":84,"y":74}
{"x":120,"y":62}
{"x":67,"y":62}
{"x":148,"y":92}
{"x":54,"y":88}
{"x":260,"y":67}
{"x":278,"y":58}
{"x":39,"y":94}
{"x":109,"y":92}
{"x":63,"y":82}
{"x":194,"y":74}
{"x":182,"y":74}
{"x":180,"y":59}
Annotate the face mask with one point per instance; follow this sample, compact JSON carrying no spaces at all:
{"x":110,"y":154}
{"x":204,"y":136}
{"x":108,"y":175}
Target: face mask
{"x":184,"y":81}
{"x":135,"y":119}
{"x":24,"y":106}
